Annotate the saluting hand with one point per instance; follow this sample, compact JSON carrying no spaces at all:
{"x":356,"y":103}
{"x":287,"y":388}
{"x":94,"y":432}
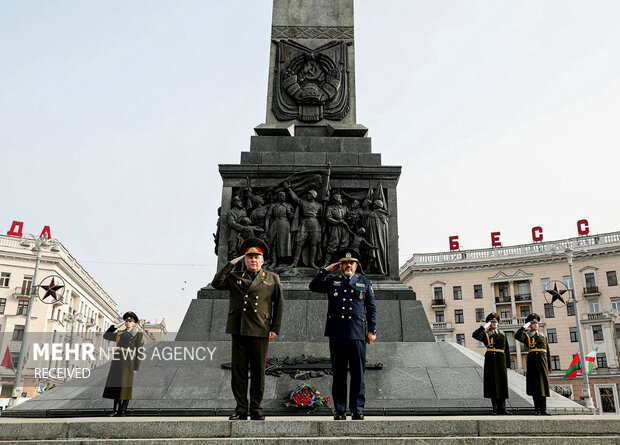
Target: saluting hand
{"x":333,"y":267}
{"x":272,"y":335}
{"x":236,"y":260}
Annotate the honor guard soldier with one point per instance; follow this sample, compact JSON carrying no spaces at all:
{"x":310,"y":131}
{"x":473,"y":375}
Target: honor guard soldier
{"x":126,"y":361}
{"x":538,"y":363}
{"x":351,"y":323}
{"x":254,"y":317}
{"x":496,"y":362}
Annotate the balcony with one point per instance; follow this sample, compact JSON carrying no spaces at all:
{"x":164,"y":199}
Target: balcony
{"x":438,"y":302}
{"x":514,"y":322}
{"x":597,"y":316}
{"x":20,"y":293}
{"x":591,"y":291}
{"x":503,"y":299}
{"x":444,"y":326}
{"x":90,"y":322}
{"x":520,"y":298}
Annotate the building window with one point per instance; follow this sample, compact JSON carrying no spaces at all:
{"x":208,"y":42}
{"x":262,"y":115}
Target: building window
{"x":458,"y":293}
{"x":18,"y":332}
{"x":439,"y":317}
{"x":438,"y":291}
{"x":460,"y":339}
{"x":22,"y":307}
{"x":552,"y":336}
{"x":544,"y":283}
{"x":555,"y":363}
{"x":615,"y":304}
{"x":505,"y":313}
{"x":4,"y":279}
{"x":2,"y":305}
{"x":477,"y":290}
{"x":512,"y":363}
{"x":573,"y":335}
{"x":549,"y":310}
{"x":567,"y":282}
{"x":479,"y":314}
{"x":593,"y":305}
{"x":525,"y":311}
{"x":601,"y":360}
{"x":522,"y":287}
{"x":612,"y":279}
{"x":503,"y":290}
{"x":26,"y":286}
{"x":597,"y":332}
{"x":440,"y":338}
{"x":570,"y":309}
{"x":590,"y":280}
{"x":458,"y":316}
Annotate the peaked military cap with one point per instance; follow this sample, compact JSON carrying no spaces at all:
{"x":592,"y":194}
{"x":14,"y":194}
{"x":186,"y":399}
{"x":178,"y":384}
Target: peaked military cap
{"x":254,"y":246}
{"x":532,"y":317}
{"x":349,"y":254}
{"x":493,"y":316}
{"x":131,"y":315}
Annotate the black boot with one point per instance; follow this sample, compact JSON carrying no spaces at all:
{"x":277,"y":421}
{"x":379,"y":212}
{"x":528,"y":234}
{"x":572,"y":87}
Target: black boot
{"x":115,"y":410}
{"x":543,"y":407}
{"x":501,"y":407}
{"x":122,"y":411}
{"x":536,"y":406}
{"x":494,"y":405}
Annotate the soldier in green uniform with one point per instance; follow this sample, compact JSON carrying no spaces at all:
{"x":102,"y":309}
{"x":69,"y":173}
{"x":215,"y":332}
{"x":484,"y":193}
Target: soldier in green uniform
{"x":496,"y":361}
{"x":127,"y":358}
{"x":254,"y":317}
{"x":538,"y":363}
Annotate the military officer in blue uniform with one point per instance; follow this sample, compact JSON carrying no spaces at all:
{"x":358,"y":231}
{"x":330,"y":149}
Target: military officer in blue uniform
{"x":351,"y":324}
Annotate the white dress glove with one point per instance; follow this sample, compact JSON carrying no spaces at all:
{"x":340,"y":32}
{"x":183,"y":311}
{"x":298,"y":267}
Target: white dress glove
{"x":119,"y":325}
{"x":487,"y":326}
{"x":527,"y":325}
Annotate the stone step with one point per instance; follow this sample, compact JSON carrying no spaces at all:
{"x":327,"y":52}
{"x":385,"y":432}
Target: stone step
{"x":557,"y":440}
{"x":380,"y":430}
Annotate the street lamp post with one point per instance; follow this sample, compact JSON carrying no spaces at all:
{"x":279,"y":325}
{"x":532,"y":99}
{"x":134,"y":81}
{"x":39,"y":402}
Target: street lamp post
{"x":72,"y":318}
{"x":586,"y":384}
{"x":39,"y":244}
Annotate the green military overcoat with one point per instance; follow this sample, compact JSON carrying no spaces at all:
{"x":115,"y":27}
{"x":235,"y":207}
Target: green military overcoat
{"x":495,"y":363}
{"x":127,"y":359}
{"x":538,"y":363}
{"x":256,"y":311}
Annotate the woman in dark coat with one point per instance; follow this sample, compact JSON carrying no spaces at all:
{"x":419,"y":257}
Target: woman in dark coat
{"x":538,"y":363}
{"x":127,"y":355}
{"x":496,"y":361}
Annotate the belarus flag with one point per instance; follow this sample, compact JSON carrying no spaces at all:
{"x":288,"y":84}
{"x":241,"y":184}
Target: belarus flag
{"x":6,"y":361}
{"x":575,"y":365}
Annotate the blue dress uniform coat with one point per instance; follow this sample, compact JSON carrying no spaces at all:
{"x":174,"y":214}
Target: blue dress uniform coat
{"x":351,"y":314}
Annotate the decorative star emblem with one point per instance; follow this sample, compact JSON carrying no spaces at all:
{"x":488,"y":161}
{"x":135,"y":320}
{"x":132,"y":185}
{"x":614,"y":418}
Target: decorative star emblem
{"x":556,"y":294}
{"x":51,"y":290}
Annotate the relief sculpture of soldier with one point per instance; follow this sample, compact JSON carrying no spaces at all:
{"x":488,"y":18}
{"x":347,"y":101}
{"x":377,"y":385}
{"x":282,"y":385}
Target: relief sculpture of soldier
{"x":337,"y":230}
{"x":235,"y":227}
{"x":496,"y":362}
{"x":278,"y":228}
{"x":309,"y":231}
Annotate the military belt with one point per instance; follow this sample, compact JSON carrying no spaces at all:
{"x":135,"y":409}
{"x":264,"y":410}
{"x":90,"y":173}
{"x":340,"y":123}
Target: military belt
{"x":538,"y":350}
{"x":494,"y":350}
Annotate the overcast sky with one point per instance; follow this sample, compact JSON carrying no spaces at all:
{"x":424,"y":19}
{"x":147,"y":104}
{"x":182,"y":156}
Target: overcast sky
{"x":114,"y":116}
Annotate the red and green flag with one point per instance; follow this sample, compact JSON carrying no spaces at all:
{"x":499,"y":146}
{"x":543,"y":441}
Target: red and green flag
{"x":575,"y":365}
{"x":6,"y":361}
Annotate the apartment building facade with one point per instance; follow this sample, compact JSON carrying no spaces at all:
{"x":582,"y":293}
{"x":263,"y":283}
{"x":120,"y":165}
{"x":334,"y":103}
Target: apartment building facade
{"x":84,"y":311}
{"x":459,"y":288}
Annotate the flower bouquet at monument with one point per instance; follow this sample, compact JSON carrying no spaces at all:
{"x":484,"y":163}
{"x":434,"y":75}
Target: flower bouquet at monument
{"x":306,"y":396}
